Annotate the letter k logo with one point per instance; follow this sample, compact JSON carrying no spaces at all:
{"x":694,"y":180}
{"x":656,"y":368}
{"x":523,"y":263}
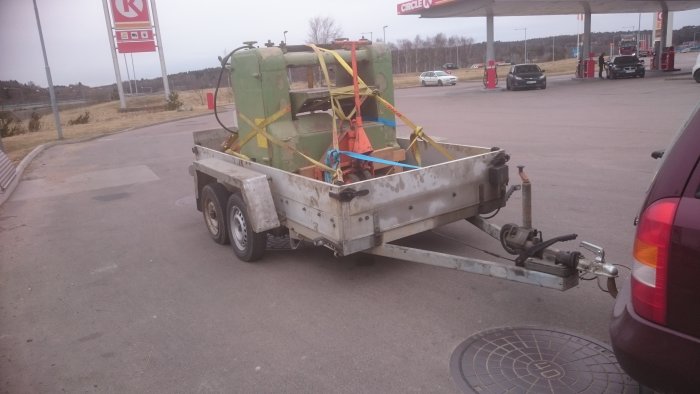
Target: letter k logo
{"x":129,"y":8}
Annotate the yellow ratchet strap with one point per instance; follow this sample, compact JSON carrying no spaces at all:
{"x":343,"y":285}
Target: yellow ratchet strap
{"x":258,"y":128}
{"x":417,"y":133}
{"x":417,"y":130}
{"x":334,"y":105}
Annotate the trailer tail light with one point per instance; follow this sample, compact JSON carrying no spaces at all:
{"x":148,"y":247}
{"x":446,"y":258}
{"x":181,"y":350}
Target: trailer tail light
{"x":650,"y":266}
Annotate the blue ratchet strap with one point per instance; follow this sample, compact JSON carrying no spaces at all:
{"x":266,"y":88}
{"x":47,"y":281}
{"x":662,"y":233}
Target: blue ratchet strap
{"x":384,"y":121}
{"x":375,"y":159}
{"x":332,"y":160}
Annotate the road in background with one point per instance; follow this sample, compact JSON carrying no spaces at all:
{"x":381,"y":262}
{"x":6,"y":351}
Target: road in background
{"x":109,"y":281}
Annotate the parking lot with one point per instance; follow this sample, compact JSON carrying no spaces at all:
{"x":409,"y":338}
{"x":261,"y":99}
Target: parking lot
{"x":109,"y":281}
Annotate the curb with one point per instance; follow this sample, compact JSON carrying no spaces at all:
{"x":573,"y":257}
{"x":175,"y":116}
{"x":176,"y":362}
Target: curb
{"x":27,"y":160}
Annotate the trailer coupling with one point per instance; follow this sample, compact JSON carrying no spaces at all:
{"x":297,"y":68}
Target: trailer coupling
{"x":534,"y":253}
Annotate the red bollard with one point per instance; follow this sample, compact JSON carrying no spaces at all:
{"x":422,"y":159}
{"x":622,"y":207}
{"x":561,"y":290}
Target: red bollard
{"x":210,"y":100}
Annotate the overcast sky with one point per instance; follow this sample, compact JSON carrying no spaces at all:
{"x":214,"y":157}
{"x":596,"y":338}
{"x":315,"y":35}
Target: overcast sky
{"x":196,"y":32}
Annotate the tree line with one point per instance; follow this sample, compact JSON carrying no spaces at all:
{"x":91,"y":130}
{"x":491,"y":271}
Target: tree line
{"x":408,"y":56}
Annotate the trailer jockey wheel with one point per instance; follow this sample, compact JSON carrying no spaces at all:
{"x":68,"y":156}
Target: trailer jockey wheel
{"x":214,"y":196}
{"x":246,"y":243}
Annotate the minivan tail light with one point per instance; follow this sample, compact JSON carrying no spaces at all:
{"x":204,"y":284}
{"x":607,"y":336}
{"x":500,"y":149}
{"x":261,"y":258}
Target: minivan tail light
{"x":650,"y":266}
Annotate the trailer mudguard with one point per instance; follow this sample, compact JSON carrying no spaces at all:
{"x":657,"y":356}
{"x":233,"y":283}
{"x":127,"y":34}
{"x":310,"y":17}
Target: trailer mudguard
{"x":253,"y":186}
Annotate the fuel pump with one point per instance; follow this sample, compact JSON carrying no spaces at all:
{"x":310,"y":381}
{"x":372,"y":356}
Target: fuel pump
{"x":490,"y":75}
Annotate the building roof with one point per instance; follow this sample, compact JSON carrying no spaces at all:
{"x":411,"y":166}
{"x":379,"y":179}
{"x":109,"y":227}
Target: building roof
{"x":472,"y":8}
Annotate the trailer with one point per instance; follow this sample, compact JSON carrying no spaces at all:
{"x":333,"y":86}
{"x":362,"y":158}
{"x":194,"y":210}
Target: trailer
{"x":253,"y":183}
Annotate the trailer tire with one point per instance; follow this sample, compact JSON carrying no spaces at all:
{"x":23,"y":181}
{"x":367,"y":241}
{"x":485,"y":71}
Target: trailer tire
{"x":247,"y":245}
{"x":214,"y":196}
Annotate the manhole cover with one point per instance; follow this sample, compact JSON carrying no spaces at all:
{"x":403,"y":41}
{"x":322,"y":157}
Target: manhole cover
{"x":536,"y":360}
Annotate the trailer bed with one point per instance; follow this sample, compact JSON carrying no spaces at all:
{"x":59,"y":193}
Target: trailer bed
{"x":362,"y":215}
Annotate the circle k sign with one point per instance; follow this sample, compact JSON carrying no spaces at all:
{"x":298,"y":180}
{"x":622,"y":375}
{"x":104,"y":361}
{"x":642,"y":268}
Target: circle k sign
{"x":130,"y":11}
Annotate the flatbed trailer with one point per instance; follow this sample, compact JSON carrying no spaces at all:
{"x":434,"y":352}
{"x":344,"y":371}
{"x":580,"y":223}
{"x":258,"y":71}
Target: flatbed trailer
{"x":243,"y":201}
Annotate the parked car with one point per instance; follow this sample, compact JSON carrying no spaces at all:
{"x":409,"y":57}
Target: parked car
{"x":526,"y":76}
{"x":655,"y":326}
{"x":449,"y":66}
{"x":696,"y":70}
{"x":438,"y":78}
{"x":624,"y":67}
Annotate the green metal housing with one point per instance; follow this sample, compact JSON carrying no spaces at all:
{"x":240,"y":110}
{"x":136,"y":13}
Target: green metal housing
{"x":260,"y":79}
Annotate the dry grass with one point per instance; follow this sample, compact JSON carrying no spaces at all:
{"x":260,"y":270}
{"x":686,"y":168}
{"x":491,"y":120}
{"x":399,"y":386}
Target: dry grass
{"x":106,"y":118}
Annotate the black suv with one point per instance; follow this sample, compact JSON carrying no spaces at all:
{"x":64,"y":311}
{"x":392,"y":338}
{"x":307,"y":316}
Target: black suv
{"x":625,"y":66}
{"x":449,"y":66}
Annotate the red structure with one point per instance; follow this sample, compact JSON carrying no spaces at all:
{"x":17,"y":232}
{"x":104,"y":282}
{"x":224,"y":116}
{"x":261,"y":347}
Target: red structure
{"x":491,"y":78}
{"x":668,"y":59}
{"x":210,"y":100}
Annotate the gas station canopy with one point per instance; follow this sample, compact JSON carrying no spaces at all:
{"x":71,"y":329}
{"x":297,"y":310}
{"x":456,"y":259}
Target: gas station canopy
{"x":474,"y":8}
{"x":493,"y":8}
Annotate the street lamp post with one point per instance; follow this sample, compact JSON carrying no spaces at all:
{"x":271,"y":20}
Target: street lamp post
{"x":285,"y":37}
{"x":52,"y":93}
{"x":639,"y":27}
{"x":524,"y":28}
{"x":385,"y":26}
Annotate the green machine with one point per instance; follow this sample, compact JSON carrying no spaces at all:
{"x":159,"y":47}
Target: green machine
{"x":283,"y":90}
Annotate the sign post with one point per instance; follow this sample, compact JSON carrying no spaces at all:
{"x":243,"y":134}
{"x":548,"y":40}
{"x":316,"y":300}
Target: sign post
{"x":134,"y":33}
{"x":160,"y":50}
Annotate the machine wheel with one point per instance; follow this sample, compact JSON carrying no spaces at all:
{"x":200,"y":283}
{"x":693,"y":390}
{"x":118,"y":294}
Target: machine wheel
{"x":507,"y":85}
{"x":544,"y":86}
{"x":247,"y":244}
{"x":696,"y":76}
{"x":422,"y":83}
{"x":214,"y":196}
{"x":439,"y":82}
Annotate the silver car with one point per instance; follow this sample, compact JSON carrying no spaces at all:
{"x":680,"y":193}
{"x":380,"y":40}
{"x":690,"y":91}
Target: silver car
{"x":438,"y":78}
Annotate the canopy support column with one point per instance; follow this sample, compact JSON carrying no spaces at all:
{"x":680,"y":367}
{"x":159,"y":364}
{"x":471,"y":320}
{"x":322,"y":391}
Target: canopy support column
{"x":664,"y":35}
{"x":490,"y":81}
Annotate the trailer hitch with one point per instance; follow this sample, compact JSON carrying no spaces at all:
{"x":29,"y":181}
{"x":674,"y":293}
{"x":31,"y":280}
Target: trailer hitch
{"x":538,"y":248}
{"x":534,"y":254}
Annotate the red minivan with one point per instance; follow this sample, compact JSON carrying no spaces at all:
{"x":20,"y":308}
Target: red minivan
{"x":655,"y":328}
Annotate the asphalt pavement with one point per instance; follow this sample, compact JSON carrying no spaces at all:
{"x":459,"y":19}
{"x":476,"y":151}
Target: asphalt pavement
{"x":109,"y":281}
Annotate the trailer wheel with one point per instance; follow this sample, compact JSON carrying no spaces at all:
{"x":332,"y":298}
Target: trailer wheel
{"x":247,"y":244}
{"x":214,"y":197}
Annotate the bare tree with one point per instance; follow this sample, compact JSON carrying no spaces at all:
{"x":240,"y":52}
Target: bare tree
{"x":406,"y":49}
{"x":323,"y":30}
